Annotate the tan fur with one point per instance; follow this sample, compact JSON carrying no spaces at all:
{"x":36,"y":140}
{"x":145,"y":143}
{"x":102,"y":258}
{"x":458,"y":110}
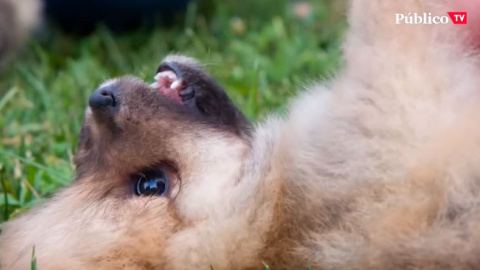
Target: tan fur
{"x":376,"y":170}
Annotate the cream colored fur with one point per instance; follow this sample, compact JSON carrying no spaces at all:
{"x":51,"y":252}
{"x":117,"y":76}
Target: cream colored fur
{"x":378,"y":169}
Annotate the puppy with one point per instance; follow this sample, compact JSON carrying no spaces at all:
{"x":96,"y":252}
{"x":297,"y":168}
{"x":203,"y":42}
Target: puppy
{"x":377,"y":169}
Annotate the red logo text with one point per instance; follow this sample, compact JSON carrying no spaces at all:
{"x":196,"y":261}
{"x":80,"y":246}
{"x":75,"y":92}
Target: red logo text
{"x":458,"y":17}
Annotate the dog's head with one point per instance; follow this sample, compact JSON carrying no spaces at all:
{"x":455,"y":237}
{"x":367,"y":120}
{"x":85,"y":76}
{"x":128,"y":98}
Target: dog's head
{"x":160,"y":185}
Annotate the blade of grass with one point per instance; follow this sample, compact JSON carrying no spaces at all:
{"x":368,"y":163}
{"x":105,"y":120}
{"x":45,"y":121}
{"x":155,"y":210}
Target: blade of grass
{"x":58,"y":177}
{"x":9,"y":95}
{"x":33,"y":262}
{"x":6,"y":213}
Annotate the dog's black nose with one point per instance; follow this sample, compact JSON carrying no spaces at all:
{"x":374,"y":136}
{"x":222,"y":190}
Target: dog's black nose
{"x":104,"y":98}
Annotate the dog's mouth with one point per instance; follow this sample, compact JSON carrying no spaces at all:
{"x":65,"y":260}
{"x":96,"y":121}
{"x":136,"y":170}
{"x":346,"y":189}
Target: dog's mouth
{"x":169,"y":82}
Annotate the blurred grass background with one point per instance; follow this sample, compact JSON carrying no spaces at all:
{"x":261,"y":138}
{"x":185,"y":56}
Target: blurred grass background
{"x":261,"y":51}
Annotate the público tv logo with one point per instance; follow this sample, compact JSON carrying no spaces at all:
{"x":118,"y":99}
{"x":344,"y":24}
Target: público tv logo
{"x":455,"y":17}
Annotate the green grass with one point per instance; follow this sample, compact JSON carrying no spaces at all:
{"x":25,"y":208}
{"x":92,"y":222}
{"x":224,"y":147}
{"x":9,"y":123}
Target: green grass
{"x":258,"y":50}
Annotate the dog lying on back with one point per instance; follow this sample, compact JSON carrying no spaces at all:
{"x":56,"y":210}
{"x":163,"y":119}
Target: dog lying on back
{"x":378,"y":169}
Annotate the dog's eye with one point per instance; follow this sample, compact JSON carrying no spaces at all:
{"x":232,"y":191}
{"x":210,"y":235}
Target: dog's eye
{"x":152,"y":184}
